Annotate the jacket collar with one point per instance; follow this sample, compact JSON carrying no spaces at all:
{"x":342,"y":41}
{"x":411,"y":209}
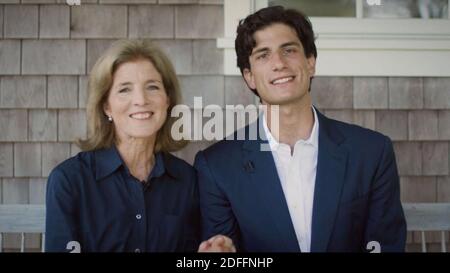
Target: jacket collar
{"x":325,"y":129}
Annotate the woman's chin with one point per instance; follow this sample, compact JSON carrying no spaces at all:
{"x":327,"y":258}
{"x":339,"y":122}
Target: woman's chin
{"x":142,"y":135}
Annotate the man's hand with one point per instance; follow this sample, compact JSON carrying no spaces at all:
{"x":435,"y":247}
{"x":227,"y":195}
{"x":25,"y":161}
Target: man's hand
{"x":218,"y":243}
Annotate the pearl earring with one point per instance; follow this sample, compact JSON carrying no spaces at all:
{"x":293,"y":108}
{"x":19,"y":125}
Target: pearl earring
{"x":109,"y":118}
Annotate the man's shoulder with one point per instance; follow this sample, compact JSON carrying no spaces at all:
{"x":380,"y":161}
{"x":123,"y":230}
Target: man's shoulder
{"x":228,"y":148}
{"x":357,"y":135}
{"x":224,"y":147}
{"x":355,"y":130}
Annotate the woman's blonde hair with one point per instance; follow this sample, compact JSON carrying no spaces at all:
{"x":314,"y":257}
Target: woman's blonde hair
{"x":101,"y":133}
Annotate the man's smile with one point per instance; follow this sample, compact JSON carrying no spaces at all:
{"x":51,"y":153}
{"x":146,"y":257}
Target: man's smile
{"x":282,"y":80}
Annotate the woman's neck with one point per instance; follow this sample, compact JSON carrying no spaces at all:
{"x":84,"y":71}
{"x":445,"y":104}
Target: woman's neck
{"x":138,"y":154}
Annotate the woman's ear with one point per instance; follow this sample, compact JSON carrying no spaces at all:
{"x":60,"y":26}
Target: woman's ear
{"x":106,"y":109}
{"x":168,"y":101}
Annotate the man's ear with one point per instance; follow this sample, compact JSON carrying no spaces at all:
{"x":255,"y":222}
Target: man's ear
{"x":249,"y":79}
{"x":311,"y":65}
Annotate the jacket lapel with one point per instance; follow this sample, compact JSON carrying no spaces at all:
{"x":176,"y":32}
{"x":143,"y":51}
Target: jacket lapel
{"x":331,"y":167}
{"x":261,"y":168}
{"x":330,"y":177}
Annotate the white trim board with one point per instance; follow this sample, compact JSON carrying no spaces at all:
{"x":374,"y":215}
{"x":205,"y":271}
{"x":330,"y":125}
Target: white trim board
{"x":363,"y":47}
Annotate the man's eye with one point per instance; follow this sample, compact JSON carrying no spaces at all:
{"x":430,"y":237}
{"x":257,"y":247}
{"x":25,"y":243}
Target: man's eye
{"x":290,"y":50}
{"x":262,"y":56}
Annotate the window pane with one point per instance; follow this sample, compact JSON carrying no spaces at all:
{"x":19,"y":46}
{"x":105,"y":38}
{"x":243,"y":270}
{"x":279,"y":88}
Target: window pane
{"x":335,"y":8}
{"x":406,"y":9}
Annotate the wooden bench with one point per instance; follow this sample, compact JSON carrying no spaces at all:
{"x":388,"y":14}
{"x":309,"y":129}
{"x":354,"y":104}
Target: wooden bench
{"x":22,"y":219}
{"x":420,"y":217}
{"x":424,"y":217}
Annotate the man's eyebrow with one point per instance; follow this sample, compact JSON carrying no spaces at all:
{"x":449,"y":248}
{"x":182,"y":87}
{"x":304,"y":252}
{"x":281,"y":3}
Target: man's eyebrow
{"x":262,"y":49}
{"x":265,"y":49}
{"x":290,"y":44}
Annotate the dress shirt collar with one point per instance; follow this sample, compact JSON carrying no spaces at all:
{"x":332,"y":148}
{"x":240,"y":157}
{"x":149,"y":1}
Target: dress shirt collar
{"x":109,"y":160}
{"x":312,"y":140}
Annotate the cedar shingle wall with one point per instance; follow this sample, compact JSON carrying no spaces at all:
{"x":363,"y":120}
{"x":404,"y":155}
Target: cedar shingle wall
{"x":47,"y":50}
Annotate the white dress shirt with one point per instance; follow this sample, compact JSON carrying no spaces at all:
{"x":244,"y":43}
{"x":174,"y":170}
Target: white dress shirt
{"x":297,"y":174}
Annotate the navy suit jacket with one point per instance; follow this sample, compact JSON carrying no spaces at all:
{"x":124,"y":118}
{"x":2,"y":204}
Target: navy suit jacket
{"x":356,"y":197}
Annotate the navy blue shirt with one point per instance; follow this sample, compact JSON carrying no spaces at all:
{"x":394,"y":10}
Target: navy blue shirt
{"x":93,"y":199}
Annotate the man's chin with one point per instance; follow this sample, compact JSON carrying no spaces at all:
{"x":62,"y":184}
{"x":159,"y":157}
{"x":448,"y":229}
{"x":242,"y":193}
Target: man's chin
{"x":288,"y":99}
{"x":280,"y":101}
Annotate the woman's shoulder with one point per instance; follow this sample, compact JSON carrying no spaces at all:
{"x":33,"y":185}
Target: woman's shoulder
{"x":75,"y":164}
{"x":69,"y":175}
{"x":178,"y":166}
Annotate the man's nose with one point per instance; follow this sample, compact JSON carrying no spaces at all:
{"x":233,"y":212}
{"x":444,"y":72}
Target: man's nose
{"x":278,"y":61}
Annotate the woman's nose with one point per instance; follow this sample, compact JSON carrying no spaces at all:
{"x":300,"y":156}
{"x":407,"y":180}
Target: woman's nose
{"x":139,"y":97}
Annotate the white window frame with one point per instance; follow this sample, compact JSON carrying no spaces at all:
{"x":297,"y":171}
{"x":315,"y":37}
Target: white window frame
{"x":360,"y":46}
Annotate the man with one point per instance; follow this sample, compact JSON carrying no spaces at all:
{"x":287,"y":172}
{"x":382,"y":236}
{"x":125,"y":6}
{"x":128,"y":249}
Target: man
{"x":324,"y":185}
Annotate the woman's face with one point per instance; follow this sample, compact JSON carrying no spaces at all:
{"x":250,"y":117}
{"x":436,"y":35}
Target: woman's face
{"x":137,"y":100}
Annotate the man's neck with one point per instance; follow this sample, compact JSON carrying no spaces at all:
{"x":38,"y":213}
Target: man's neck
{"x":295,"y":122}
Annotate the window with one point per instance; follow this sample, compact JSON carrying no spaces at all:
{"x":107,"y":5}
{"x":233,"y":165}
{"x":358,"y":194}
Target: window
{"x":425,"y":9}
{"x":320,"y":8}
{"x":363,"y":38}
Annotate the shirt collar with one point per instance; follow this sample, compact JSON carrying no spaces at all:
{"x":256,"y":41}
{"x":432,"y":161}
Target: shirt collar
{"x":159,"y":169}
{"x":109,"y":160}
{"x":312,"y":140}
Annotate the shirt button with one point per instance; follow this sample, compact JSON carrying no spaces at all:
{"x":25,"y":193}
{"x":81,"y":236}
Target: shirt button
{"x":138,"y":216}
{"x":137,"y":250}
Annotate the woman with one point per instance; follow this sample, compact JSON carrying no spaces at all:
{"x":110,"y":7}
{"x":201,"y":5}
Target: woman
{"x":125,"y":192}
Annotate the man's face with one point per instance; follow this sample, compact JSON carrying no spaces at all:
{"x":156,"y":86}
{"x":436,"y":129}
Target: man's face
{"x":279,"y":69}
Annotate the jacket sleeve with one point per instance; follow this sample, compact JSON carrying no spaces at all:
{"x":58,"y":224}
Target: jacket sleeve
{"x":386,"y":223}
{"x":217,"y":214}
{"x":61,"y":227}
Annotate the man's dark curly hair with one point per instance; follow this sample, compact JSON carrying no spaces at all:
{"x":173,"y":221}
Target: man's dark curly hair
{"x":245,"y":42}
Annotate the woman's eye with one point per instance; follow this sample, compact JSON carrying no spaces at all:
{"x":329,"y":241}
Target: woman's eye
{"x":152,"y":87}
{"x":124,"y":90}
